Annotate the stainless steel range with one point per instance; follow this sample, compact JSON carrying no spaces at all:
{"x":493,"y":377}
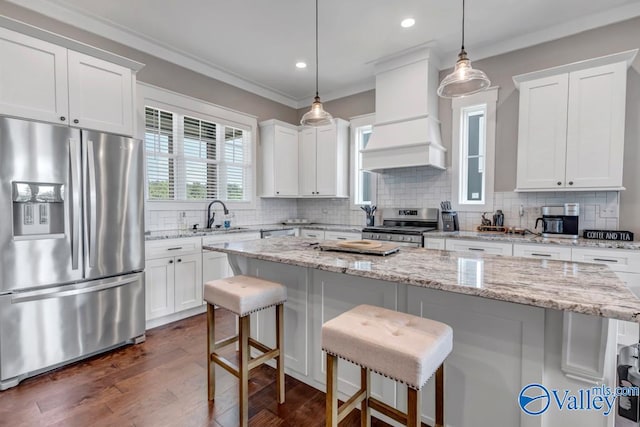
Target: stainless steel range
{"x":404,"y":226}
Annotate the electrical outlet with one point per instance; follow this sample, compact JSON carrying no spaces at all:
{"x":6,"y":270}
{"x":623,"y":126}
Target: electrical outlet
{"x":607,"y":212}
{"x":521,"y":210}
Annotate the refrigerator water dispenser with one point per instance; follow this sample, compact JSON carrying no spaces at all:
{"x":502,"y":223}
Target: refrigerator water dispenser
{"x":38,"y":210}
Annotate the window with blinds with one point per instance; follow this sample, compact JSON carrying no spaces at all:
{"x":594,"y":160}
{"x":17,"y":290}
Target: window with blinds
{"x":160,"y":149}
{"x":212,"y":160}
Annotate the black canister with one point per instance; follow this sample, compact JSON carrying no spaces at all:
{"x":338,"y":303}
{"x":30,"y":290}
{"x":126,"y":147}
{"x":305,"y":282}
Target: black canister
{"x":498,"y":218}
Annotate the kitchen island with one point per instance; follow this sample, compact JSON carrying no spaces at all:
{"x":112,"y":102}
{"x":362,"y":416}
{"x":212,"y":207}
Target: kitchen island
{"x":516,"y":321}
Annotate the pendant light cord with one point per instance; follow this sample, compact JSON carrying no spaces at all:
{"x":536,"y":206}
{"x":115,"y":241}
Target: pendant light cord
{"x":317,"y":92}
{"x":462,"y":24}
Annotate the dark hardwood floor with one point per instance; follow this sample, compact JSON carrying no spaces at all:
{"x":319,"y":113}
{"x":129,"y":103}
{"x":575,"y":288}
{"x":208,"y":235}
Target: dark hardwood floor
{"x":161,"y":382}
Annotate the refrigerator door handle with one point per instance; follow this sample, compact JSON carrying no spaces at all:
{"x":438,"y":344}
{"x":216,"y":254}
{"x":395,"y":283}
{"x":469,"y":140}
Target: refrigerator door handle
{"x":99,"y":285}
{"x":91,"y":164}
{"x":75,"y":202}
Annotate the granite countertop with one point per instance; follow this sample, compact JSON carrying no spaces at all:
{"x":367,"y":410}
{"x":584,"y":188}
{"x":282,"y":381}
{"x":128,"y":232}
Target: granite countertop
{"x":533,"y":238}
{"x":178,"y":234}
{"x":577,"y":287}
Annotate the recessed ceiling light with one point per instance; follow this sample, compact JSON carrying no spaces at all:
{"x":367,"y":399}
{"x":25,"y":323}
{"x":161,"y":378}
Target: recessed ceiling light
{"x":301,"y":64}
{"x":409,"y":22}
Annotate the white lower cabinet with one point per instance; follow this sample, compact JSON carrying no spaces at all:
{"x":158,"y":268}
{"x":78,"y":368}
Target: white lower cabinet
{"x":542,"y":251}
{"x":434,"y":243}
{"x":159,"y":287}
{"x":215,"y":265}
{"x":313,"y":234}
{"x":494,"y":248}
{"x":173,"y":280}
{"x":342,"y":235}
{"x":626,"y":264}
{"x":188,"y":279}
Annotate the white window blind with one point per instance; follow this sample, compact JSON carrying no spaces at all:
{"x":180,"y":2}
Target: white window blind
{"x":160,"y":149}
{"x":212,"y":161}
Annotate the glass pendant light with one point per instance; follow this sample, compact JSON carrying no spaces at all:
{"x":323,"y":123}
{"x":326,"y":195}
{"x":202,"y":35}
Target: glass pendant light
{"x":316,"y":116}
{"x":464,"y":80}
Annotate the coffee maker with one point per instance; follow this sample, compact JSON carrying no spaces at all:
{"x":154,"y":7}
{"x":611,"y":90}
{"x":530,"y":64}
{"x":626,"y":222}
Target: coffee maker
{"x":560,"y":221}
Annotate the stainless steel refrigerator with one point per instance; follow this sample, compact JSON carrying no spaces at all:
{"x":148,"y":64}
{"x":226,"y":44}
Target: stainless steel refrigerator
{"x":72,"y":245}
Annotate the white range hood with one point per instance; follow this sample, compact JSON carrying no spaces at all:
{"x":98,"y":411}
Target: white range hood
{"x":406,"y":131}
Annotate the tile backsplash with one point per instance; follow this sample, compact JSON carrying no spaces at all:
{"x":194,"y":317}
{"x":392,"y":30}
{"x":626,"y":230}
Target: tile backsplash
{"x":411,"y":187}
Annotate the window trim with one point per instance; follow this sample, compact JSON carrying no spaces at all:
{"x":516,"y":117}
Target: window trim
{"x":356,"y":123}
{"x":156,"y":97}
{"x":489,"y":98}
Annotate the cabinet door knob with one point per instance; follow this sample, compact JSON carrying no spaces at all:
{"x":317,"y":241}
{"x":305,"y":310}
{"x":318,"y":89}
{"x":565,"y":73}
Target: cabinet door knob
{"x":179,"y":259}
{"x":559,"y":183}
{"x":170,"y":261}
{"x":277,"y":192}
{"x":76,"y":121}
{"x":63,"y":118}
{"x":570,"y":182}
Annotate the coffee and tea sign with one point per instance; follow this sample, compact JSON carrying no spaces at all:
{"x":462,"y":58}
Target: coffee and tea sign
{"x":625,"y":236}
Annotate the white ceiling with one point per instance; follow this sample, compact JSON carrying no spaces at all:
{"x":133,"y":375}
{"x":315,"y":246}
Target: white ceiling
{"x":254,"y":44}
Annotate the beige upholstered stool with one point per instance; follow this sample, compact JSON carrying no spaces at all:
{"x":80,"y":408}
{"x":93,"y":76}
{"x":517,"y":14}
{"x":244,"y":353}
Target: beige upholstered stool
{"x":244,"y":295}
{"x":403,"y":347}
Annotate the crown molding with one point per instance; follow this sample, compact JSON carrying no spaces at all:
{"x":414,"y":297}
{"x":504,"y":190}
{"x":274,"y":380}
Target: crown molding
{"x":548,"y":34}
{"x":112,"y":31}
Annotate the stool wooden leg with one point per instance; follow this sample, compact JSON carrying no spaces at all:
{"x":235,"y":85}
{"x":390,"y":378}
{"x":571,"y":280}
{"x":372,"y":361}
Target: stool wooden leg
{"x":365,"y":412}
{"x":414,"y":401}
{"x":211,"y":341}
{"x":280,"y":346}
{"x":332,"y":391}
{"x":440,"y":396}
{"x":243,"y":369}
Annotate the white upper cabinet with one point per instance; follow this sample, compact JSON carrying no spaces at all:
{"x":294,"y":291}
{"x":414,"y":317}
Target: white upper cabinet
{"x":542,"y":133}
{"x":100,"y":94}
{"x":51,"y":83}
{"x":33,"y":78}
{"x":308,"y":162}
{"x":324,"y":160}
{"x":279,"y":149}
{"x":571,"y":125}
{"x":595,"y":126}
{"x":311,"y":162}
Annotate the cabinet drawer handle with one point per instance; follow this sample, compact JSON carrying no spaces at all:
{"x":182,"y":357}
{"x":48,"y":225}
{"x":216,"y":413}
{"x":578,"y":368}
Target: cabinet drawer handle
{"x":341,"y":238}
{"x":536,"y":254}
{"x":476,"y":249}
{"x":605,"y":260}
{"x":312,"y":235}
{"x":177,"y":248}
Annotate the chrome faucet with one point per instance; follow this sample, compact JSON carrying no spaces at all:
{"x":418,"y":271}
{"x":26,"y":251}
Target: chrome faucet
{"x":211,"y":215}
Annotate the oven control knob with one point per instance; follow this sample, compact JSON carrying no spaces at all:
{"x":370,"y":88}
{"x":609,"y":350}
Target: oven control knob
{"x":403,"y":238}
{"x":377,"y":236}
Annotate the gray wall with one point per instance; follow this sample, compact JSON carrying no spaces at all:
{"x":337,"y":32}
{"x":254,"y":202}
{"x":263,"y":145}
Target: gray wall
{"x":163,"y":73}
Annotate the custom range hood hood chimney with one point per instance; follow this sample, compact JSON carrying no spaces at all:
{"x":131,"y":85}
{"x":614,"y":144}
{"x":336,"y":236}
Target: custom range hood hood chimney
{"x":406,"y":131}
